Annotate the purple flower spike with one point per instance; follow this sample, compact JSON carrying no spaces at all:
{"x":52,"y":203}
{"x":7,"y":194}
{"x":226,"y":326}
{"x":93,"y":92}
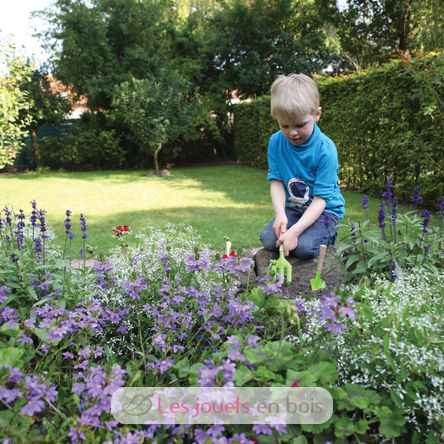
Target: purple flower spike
{"x":426,"y":215}
{"x":83,"y":226}
{"x":388,"y":191}
{"x":392,"y":271}
{"x":364,"y":202}
{"x":381,"y":217}
{"x":416,"y":197}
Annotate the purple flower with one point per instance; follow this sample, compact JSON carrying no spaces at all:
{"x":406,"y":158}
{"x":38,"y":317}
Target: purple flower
{"x":83,"y":226}
{"x":132,"y":288}
{"x":235,"y":355}
{"x":335,"y":328}
{"x":416,"y":197}
{"x":74,"y":434}
{"x":252,"y":340}
{"x":23,"y":339}
{"x":3,"y":290}
{"x":162,"y":366}
{"x":38,"y":247}
{"x":262,"y":429}
{"x":35,"y":405}
{"x":381,"y":216}
{"x":364,"y":202}
{"x":388,"y":191}
{"x":426,"y":252}
{"x":9,"y":395}
{"x":426,"y":215}
{"x":43,"y":230}
{"x":196,"y":264}
{"x":347,"y":312}
{"x":392,"y":270}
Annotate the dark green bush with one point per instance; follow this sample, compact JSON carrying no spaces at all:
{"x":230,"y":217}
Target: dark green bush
{"x":385,"y":122}
{"x":87,"y":146}
{"x":253,"y":126}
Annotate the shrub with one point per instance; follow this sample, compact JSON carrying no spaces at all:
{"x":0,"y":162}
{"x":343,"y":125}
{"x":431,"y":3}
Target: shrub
{"x":87,"y":146}
{"x":393,"y":345}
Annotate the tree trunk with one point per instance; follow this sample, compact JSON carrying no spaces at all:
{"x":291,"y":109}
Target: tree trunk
{"x":156,"y":161}
{"x":36,"y":147}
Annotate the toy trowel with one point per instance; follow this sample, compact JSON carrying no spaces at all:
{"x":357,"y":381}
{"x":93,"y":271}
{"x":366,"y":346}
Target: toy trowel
{"x":317,"y":283}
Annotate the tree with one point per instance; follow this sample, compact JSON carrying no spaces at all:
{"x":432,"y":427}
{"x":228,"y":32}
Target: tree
{"x":251,"y":42}
{"x":102,"y":43}
{"x":372,"y":31}
{"x":156,"y":109}
{"x":45,"y":106}
{"x":12,"y":102}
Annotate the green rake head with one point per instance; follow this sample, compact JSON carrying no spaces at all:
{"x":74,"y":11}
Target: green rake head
{"x":281,"y":266}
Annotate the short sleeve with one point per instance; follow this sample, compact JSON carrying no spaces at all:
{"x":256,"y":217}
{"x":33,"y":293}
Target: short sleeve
{"x":273,"y":168}
{"x":327,"y":173}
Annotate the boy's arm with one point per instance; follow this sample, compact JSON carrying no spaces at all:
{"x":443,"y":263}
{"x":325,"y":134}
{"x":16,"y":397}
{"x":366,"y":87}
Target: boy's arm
{"x":278,"y":198}
{"x":290,"y":238}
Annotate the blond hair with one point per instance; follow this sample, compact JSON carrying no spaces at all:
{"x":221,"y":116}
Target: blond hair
{"x":294,"y":95}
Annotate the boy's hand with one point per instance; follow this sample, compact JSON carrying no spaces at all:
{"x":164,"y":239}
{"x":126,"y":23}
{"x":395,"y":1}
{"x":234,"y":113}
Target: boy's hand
{"x":280,"y":225}
{"x":289,"y":240}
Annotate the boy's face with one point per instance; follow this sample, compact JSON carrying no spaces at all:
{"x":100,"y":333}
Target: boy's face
{"x":297,"y":130}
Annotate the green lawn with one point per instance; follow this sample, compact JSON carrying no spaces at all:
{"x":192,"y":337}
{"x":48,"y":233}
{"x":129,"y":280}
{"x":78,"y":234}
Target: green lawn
{"x":217,"y":201}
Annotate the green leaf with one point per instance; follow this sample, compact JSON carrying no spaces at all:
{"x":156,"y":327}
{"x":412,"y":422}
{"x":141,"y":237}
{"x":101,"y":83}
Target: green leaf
{"x":358,"y":397}
{"x":12,"y":332}
{"x":344,"y":426}
{"x":11,"y":356}
{"x":305,"y":378}
{"x":299,"y":440}
{"x":392,"y":425}
{"x":183,"y":366}
{"x":396,"y":399}
{"x":32,"y":293}
{"x":272,"y":301}
{"x":264,"y":373}
{"x":257,"y":296}
{"x":325,"y":373}
{"x":243,"y":374}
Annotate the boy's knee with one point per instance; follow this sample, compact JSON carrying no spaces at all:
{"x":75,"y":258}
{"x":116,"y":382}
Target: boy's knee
{"x":268,"y":239}
{"x":306,"y":249}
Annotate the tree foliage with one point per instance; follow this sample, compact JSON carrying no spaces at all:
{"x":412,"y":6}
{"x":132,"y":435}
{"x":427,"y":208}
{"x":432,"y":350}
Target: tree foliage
{"x":250,"y":42}
{"x":46,"y":106}
{"x":156,"y":110}
{"x":13,"y":101}
{"x":102,"y":43}
{"x":372,"y":31}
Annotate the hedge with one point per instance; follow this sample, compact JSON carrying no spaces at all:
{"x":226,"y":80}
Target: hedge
{"x":385,"y":122}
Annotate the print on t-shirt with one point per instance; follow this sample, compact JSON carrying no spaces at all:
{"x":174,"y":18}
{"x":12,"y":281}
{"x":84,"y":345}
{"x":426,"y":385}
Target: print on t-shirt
{"x":299,"y":192}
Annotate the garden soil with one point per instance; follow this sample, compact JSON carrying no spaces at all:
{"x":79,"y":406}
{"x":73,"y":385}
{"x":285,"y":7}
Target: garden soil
{"x":303,"y":271}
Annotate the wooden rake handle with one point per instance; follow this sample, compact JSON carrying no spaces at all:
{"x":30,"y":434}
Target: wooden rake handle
{"x":322,"y":251}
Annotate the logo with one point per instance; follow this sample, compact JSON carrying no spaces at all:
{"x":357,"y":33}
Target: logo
{"x":299,"y":192}
{"x":222,"y":405}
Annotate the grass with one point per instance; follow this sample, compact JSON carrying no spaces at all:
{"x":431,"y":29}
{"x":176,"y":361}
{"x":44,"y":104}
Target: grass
{"x":217,"y":201}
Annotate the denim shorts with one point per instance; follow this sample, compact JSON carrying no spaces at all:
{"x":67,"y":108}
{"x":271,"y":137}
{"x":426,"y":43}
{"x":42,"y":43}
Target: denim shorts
{"x":322,"y":231}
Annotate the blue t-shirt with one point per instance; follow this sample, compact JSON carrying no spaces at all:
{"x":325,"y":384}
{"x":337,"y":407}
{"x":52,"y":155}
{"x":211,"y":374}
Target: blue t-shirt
{"x":307,"y":170}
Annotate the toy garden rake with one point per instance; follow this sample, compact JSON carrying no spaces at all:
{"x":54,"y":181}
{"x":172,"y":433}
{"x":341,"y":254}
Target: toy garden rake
{"x":281,"y":266}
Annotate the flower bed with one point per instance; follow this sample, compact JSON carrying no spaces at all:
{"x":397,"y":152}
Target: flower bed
{"x":163,"y":310}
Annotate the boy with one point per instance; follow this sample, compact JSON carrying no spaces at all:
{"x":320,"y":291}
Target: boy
{"x":303,"y":170}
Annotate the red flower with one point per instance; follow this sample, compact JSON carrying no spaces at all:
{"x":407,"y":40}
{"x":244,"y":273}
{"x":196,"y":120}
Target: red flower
{"x":233,"y":254}
{"x":295,"y":383}
{"x":119,"y":230}
{"x":254,"y":440}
